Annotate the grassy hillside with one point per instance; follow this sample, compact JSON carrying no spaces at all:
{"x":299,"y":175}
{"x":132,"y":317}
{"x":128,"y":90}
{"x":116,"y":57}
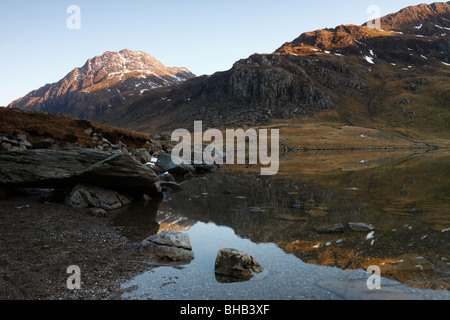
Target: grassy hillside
{"x":38,"y":125}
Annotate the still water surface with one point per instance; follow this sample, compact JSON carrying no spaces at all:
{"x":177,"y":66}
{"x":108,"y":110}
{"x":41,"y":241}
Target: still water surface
{"x":404,"y":196}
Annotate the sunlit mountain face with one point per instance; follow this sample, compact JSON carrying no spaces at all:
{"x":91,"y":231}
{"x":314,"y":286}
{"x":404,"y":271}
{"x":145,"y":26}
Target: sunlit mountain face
{"x":105,"y":82}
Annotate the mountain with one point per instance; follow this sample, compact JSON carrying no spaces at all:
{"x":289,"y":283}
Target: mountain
{"x":392,"y":78}
{"x":427,"y":20}
{"x":102,"y":84}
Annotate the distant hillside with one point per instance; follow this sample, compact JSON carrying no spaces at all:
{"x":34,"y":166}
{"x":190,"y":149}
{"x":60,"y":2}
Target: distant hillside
{"x":378,"y":78}
{"x":103,"y":85}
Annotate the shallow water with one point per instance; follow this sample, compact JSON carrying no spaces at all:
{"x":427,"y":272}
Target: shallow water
{"x":405,"y":197}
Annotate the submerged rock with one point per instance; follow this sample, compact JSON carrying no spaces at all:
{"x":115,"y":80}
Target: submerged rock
{"x":236,"y":264}
{"x":168,"y":245}
{"x":317,"y":213}
{"x":361,"y":227}
{"x":336,"y":228}
{"x":410,"y":262}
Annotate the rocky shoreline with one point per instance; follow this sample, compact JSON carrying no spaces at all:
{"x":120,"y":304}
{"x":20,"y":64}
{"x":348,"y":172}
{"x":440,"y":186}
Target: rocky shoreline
{"x":54,"y":200}
{"x":129,"y":172}
{"x":38,"y":242}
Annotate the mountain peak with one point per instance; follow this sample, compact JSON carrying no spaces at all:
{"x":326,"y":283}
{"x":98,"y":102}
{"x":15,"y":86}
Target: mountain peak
{"x":418,"y":21}
{"x":425,"y":19}
{"x":118,"y":64}
{"x":127,"y":72}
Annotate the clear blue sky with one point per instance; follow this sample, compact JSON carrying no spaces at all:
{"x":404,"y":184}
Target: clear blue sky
{"x":203,"y":35}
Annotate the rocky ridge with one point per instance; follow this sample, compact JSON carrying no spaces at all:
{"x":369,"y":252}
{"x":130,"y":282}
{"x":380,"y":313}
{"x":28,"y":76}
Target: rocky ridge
{"x":347,"y":69}
{"x":423,"y":19}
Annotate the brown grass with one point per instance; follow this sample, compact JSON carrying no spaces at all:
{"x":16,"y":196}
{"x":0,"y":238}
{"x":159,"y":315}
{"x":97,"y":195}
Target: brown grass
{"x":38,"y":125}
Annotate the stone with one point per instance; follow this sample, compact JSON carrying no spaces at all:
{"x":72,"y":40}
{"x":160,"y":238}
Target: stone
{"x":87,"y":196}
{"x":89,"y":131}
{"x":5,"y":146}
{"x":46,"y":168}
{"x":166,"y":164}
{"x":6,"y":139}
{"x":167,"y":177}
{"x":21,"y":137}
{"x":169,"y":186}
{"x":360,"y":227}
{"x":44,"y":143}
{"x":236,"y":264}
{"x":173,"y":238}
{"x":168,"y":253}
{"x":97,"y":212}
{"x":168,"y":245}
{"x":143,"y":155}
{"x":189,"y":175}
{"x":26,"y":144}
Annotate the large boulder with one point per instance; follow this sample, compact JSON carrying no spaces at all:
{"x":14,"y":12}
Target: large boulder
{"x":166,"y":164}
{"x":168,"y":245}
{"x":87,"y":196}
{"x":45,"y":168}
{"x":232,"y":263}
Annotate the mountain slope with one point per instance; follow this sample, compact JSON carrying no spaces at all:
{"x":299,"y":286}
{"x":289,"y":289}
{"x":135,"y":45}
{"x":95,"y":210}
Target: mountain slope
{"x":427,"y":20}
{"x":394,"y":78}
{"x":368,"y":77}
{"x":102,"y":84}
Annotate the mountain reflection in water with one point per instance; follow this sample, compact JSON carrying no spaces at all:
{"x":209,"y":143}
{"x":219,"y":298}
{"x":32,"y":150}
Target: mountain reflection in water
{"x":405,"y":197}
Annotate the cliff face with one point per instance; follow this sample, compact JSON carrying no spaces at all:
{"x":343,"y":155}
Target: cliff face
{"x":255,"y":90}
{"x":103,"y":83}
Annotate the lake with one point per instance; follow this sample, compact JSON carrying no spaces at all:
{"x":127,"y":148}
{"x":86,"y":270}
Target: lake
{"x":280,"y":220}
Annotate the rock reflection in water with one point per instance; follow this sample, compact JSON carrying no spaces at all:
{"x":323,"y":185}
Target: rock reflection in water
{"x":307,"y":213}
{"x":406,"y":201}
{"x":138,"y":221}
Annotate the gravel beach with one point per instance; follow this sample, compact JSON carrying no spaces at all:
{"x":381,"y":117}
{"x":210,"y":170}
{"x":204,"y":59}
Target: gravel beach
{"x":38,"y":242}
